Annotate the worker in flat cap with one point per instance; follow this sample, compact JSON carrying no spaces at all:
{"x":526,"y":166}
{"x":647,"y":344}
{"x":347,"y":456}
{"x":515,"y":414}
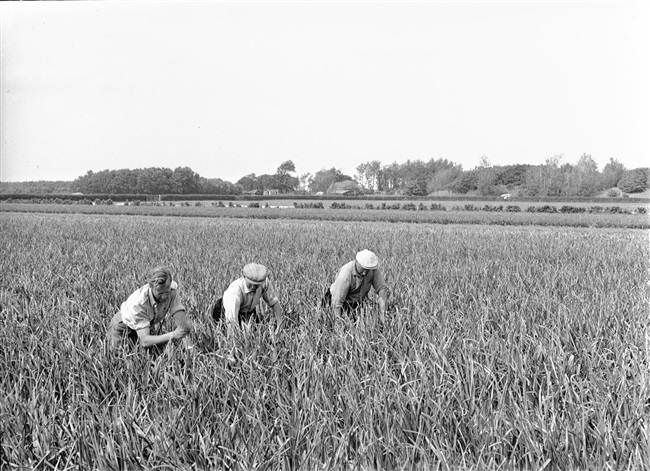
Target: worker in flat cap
{"x":239,"y":302}
{"x":353,"y":283}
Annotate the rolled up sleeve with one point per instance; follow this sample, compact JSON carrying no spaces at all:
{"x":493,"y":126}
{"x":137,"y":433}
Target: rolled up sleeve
{"x":379,"y":283}
{"x":231,"y":303}
{"x":135,"y":316}
{"x":175,"y":303}
{"x":340,"y":288}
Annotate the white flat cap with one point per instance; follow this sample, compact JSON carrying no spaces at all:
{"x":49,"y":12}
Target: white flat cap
{"x":254,"y":273}
{"x":367,"y":259}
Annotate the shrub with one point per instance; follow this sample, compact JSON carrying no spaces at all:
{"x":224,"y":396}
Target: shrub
{"x":614,"y":210}
{"x":642,"y":210}
{"x":409,"y":206}
{"x":513,"y":209}
{"x":254,"y":205}
{"x":317,"y":205}
{"x":487,"y":207}
{"x":547,"y":208}
{"x":634,"y":181}
{"x":572,"y":209}
{"x":437,"y":207}
{"x":613,"y":193}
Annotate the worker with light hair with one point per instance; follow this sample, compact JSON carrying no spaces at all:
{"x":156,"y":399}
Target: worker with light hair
{"x":142,"y":316}
{"x":238,"y":306}
{"x":353,"y":282}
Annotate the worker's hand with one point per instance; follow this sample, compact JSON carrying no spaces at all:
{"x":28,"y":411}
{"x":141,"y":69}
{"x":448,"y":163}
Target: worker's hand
{"x":179,"y":333}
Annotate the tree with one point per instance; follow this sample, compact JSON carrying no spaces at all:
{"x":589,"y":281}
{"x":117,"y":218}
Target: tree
{"x":583,"y":179}
{"x":511,"y":175}
{"x":416,"y":185}
{"x":186,"y":181}
{"x":465,"y":182}
{"x":442,"y":179}
{"x":484,"y":162}
{"x":486,"y":182}
{"x":635,"y":181}
{"x":155,"y":181}
{"x":368,"y":174}
{"x":121,"y":182}
{"x":217,"y":186}
{"x":362,"y":175}
{"x":612,"y":173}
{"x":286,"y":167}
{"x":248,"y":182}
{"x":390,"y":177}
{"x":545,"y":180}
{"x":305,"y":180}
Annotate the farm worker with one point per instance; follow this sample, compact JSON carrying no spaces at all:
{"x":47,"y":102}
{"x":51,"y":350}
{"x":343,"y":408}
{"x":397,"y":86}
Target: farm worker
{"x":239,"y":302}
{"x":353,"y":282}
{"x":142,"y":315}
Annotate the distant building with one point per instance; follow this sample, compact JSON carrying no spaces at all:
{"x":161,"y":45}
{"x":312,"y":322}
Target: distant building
{"x":271,"y":192}
{"x":345,"y":188}
{"x":252,"y":193}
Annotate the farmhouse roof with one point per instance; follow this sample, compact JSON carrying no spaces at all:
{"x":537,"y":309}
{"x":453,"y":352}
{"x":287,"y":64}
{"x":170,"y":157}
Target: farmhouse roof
{"x":346,"y":187}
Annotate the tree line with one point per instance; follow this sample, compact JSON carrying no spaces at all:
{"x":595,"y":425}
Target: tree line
{"x":413,"y":177}
{"x":553,"y":178}
{"x":152,"y":181}
{"x":184,"y":181}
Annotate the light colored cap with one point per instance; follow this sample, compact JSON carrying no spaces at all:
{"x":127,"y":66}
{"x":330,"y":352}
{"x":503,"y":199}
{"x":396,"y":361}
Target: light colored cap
{"x":367,"y":259}
{"x":254,"y":273}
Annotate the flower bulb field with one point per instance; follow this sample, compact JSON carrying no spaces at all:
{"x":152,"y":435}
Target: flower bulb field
{"x":504,"y":347}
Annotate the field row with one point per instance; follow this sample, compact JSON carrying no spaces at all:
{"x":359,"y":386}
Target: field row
{"x":537,"y":218}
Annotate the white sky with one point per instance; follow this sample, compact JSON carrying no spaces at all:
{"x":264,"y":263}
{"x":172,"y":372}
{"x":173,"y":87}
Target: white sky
{"x":231,"y":88}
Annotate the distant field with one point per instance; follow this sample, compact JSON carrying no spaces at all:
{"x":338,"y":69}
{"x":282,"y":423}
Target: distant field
{"x":505,"y":348}
{"x":448,"y":204}
{"x":200,"y":209}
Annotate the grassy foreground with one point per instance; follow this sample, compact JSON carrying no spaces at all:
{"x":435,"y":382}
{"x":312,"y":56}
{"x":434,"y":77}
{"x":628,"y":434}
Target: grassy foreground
{"x":506,"y":348}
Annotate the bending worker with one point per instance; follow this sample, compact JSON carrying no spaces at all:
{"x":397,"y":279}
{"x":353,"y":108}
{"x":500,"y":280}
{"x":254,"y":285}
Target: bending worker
{"x":239,"y":302}
{"x":142,"y":315}
{"x":353,"y":282}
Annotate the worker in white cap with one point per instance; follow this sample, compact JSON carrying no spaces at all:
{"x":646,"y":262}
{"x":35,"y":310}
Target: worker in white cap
{"x":239,"y":302}
{"x":353,"y":283}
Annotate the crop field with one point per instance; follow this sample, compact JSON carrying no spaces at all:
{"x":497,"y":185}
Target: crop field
{"x":505,"y":347}
{"x":599,"y":220}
